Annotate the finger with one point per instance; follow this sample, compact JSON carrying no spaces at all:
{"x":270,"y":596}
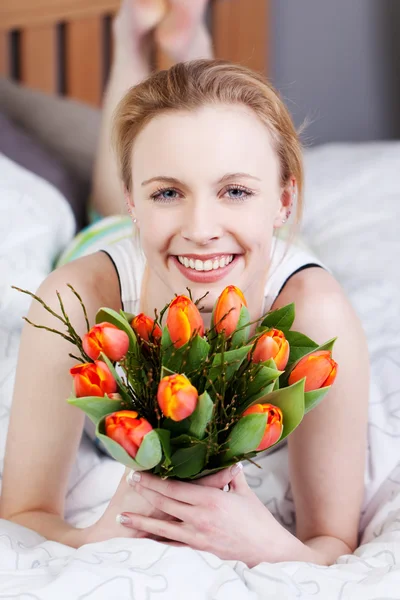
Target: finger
{"x":178,"y":490}
{"x":180,"y":510}
{"x":239,"y":484}
{"x":222,"y":478}
{"x":164,"y":529}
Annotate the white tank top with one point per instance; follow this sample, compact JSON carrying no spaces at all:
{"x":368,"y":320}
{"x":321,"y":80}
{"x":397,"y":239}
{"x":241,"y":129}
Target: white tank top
{"x":129,"y":263}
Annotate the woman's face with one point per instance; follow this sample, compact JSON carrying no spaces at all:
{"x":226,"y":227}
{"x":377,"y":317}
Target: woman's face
{"x":206,"y":194}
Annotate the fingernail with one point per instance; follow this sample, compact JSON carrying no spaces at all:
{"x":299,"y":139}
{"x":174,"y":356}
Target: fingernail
{"x":122,"y":519}
{"x":236,"y":468}
{"x":133,"y":477}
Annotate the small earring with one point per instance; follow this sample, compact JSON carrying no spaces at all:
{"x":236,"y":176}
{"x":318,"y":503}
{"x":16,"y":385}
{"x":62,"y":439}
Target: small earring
{"x":135,"y":220}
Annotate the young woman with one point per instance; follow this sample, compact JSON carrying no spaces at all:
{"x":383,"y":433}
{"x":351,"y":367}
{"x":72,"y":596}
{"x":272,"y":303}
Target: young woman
{"x":211,"y":165}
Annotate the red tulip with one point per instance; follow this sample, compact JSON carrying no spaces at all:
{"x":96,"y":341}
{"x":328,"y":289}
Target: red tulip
{"x":183,"y":321}
{"x":227,"y":310}
{"x":318,"y":368}
{"x":177,"y":397}
{"x":274,"y":426}
{"x":145,"y":328}
{"x":106,"y":338}
{"x":272,"y":344}
{"x":125,"y":428}
{"x":93,"y":379}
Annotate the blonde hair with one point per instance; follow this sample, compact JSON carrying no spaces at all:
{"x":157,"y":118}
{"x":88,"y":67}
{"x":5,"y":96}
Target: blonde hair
{"x":189,"y":86}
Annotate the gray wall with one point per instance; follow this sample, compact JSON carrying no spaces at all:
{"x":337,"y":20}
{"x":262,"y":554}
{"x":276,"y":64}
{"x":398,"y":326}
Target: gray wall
{"x":336,"y":62}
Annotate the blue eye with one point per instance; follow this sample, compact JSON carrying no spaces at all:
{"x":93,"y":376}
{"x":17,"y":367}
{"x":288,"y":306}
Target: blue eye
{"x":238,"y":193}
{"x":165,"y":195}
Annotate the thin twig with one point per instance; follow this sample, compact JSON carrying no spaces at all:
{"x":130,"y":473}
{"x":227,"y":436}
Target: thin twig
{"x":82,"y":304}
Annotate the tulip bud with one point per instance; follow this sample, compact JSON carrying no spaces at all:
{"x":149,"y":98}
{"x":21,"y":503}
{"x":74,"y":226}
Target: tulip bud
{"x":274,"y":426}
{"x":93,"y":379}
{"x":125,"y":428}
{"x":183,"y":321}
{"x":318,"y":368}
{"x":146,"y":329}
{"x":227,"y":310}
{"x":106,"y":338}
{"x":177,"y":397}
{"x":272,"y":344}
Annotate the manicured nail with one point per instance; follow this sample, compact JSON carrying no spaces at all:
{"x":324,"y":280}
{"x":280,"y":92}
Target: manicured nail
{"x":236,"y":468}
{"x":133,"y":477}
{"x":122,"y":519}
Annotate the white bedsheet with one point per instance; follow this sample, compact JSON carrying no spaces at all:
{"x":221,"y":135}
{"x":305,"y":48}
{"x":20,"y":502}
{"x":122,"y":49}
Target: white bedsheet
{"x":351,"y":221}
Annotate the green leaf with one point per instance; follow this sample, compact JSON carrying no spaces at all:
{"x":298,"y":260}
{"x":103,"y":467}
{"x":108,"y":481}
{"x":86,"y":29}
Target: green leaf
{"x":120,"y":383}
{"x":259,"y":398}
{"x":186,"y":359}
{"x":165,"y":440}
{"x":225,"y":465}
{"x":300,"y":345}
{"x":116,"y":451}
{"x":201,"y":416}
{"x":242,"y":332}
{"x":282,"y":318}
{"x":187,"y":462}
{"x":183,"y":440}
{"x":312,"y":399}
{"x":109,"y":315}
{"x":232,"y":361}
{"x":246,"y":435}
{"x":96,"y":407}
{"x":291,"y":402}
{"x":166,"y":372}
{"x":176,"y":427}
{"x":263,"y":378}
{"x":127,"y":316}
{"x":149,"y":454}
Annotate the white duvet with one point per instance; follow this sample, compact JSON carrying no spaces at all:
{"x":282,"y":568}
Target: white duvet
{"x":351,"y":221}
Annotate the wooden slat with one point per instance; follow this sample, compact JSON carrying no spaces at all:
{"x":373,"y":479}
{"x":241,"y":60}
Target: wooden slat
{"x":4,"y":57}
{"x":16,"y":14}
{"x":240,"y":32}
{"x":84,"y":60}
{"x":38,"y":58}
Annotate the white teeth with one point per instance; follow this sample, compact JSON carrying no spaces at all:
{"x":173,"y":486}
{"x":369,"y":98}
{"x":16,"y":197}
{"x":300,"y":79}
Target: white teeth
{"x":199,"y":265}
{"x":207,"y":265}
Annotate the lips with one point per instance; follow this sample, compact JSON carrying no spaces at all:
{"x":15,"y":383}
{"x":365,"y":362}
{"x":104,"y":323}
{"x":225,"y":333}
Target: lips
{"x":198,"y":269}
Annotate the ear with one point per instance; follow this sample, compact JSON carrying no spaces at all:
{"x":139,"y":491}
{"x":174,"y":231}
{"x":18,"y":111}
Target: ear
{"x":286,"y":203}
{"x":129,"y":201}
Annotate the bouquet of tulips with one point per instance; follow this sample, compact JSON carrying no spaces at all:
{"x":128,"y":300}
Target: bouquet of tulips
{"x":184,"y":402}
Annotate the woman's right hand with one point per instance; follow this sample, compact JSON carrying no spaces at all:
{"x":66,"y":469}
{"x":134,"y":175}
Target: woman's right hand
{"x":126,"y":499}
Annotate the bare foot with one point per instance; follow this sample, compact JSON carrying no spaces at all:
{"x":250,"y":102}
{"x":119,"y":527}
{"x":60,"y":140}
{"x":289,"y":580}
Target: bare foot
{"x":134,"y":21}
{"x":182,"y":33}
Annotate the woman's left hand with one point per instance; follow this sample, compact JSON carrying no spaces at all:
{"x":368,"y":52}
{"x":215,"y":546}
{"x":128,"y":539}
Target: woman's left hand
{"x":233,"y":525}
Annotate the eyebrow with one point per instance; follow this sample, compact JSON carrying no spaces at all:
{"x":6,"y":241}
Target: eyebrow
{"x":175,"y":181}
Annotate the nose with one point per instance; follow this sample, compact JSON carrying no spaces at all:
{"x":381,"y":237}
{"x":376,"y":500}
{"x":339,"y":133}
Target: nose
{"x":201,"y":223}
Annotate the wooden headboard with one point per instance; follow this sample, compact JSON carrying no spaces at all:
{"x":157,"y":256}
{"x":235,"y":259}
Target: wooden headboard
{"x":64,"y":46}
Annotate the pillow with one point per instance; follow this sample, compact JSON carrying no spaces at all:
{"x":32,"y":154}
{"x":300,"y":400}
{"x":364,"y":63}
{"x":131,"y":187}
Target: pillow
{"x":29,"y":153}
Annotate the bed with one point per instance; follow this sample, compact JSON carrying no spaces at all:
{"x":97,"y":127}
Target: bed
{"x":350,"y":221}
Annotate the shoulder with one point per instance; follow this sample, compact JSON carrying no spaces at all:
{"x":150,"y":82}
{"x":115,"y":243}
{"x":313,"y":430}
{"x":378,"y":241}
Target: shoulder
{"x":93,"y":277}
{"x":321,"y":305}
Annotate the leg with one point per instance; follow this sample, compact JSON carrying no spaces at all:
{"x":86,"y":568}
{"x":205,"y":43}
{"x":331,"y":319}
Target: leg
{"x":132,"y":48}
{"x":180,"y":33}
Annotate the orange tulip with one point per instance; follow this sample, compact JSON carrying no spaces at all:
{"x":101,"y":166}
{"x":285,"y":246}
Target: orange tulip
{"x":183,"y":321}
{"x":145,"y":328}
{"x":227,"y":310}
{"x":93,"y":379}
{"x":318,"y":368}
{"x":127,"y":429}
{"x":274,"y":426}
{"x":177,"y":397}
{"x":106,"y":338}
{"x":272,"y":344}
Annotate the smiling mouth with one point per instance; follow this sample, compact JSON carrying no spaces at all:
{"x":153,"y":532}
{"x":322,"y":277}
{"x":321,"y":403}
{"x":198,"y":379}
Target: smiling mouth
{"x":210,"y":264}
